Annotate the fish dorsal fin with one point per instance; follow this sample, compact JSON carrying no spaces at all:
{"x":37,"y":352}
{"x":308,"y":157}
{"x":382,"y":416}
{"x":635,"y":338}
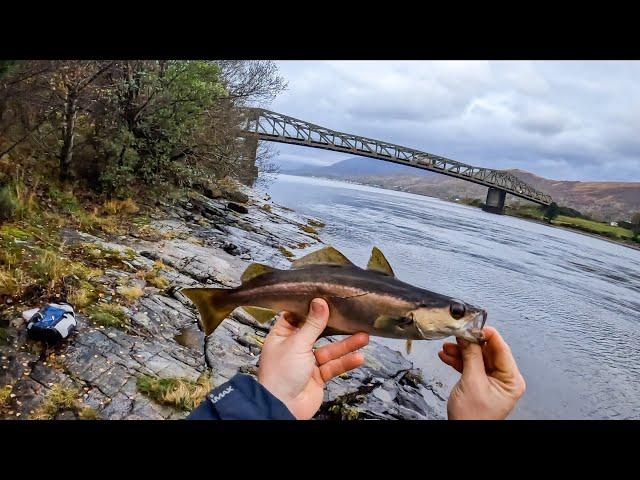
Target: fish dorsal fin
{"x":324,"y":256}
{"x":378,"y":263}
{"x":254,"y":270}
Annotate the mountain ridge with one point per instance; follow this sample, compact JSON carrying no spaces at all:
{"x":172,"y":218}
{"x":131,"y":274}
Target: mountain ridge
{"x":607,"y":200}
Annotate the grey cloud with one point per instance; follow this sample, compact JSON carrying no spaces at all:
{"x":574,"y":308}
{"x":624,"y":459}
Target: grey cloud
{"x":573,"y":120}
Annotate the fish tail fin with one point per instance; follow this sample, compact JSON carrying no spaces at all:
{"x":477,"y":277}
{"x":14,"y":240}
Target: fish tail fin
{"x":212,"y":305}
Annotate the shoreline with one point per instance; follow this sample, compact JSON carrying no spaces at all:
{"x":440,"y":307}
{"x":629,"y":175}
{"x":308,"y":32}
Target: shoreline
{"x":204,"y":243}
{"x":576,"y":230}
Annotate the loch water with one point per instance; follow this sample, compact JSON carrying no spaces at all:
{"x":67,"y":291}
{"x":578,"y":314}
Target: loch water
{"x":568,"y":304}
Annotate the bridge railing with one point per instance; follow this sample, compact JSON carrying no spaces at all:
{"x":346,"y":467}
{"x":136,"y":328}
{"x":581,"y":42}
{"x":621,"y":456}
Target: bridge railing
{"x":274,"y":126}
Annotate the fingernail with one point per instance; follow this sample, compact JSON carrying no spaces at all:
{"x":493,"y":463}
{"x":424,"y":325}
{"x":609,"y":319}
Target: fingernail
{"x":316,"y":306}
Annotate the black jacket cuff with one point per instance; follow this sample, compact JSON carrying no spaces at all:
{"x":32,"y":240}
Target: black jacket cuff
{"x":241,"y":398}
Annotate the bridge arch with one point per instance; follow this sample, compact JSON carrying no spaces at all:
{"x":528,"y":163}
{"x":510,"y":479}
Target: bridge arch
{"x":276,"y":127}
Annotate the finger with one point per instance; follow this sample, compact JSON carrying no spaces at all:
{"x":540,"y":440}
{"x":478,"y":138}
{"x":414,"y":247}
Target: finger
{"x":343,"y":347}
{"x":455,"y":362}
{"x":284,"y":326}
{"x":315,"y":322}
{"x":452,"y":349}
{"x":341,"y":365}
{"x":472,"y":361}
{"x":498,"y":351}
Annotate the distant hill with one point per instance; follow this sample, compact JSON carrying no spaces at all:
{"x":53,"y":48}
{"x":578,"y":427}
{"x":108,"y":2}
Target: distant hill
{"x":601,"y":200}
{"x":357,"y":167}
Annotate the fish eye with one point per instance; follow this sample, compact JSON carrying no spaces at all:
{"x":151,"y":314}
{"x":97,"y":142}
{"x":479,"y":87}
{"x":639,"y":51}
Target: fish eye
{"x":457,"y":309}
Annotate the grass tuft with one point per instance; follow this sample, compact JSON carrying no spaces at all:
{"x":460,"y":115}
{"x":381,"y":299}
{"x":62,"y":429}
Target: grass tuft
{"x":118,"y":207}
{"x":88,"y":413}
{"x":309,"y":229}
{"x":178,"y":393}
{"x":286,"y":252}
{"x":154,"y":278}
{"x":82,"y":296}
{"x":130,"y":293}
{"x":5,"y":396}
{"x":58,"y":399}
{"x":108,"y":315}
{"x":315,"y":223}
{"x":16,"y":201}
{"x":50,"y":267}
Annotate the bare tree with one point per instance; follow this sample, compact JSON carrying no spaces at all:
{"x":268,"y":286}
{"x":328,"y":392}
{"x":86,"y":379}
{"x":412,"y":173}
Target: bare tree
{"x":72,"y":79}
{"x":251,"y":81}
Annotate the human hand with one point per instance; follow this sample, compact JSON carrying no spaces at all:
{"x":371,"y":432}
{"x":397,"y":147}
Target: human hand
{"x":296,"y":374}
{"x":491,"y":383}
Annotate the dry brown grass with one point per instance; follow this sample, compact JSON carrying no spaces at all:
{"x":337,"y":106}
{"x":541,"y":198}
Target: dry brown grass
{"x":309,"y":229}
{"x":88,"y":413}
{"x":130,"y":293}
{"x":117,"y":207}
{"x":82,"y":296}
{"x":179,"y":393}
{"x":58,"y":399}
{"x":154,"y":278}
{"x":315,"y":223}
{"x":286,"y":252}
{"x":5,"y":396}
{"x":50,"y":267}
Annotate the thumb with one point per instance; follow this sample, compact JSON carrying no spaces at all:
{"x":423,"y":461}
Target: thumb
{"x":315,"y":322}
{"x":472,"y":360}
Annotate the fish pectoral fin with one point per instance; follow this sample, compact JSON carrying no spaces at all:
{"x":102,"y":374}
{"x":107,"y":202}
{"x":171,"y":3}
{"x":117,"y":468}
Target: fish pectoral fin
{"x":384,"y":322}
{"x":379,"y":263}
{"x":262,"y":315}
{"x":324,"y":256}
{"x":408,"y":346}
{"x":255,"y":270}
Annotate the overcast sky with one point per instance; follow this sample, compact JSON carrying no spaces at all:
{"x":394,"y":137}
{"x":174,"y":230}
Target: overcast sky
{"x":561,"y":120}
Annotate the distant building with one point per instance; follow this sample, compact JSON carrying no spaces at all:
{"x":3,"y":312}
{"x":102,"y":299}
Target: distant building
{"x":614,"y":224}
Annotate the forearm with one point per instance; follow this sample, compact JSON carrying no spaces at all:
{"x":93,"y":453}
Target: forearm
{"x":241,"y":398}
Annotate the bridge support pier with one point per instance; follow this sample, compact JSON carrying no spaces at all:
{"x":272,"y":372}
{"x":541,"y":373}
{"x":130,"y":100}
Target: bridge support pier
{"x":248,"y":169}
{"x":495,"y":201}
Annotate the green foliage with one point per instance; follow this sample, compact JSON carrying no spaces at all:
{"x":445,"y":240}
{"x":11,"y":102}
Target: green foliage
{"x":6,"y":66}
{"x":8,"y":203}
{"x":551,"y":212}
{"x":168,"y":124}
{"x":108,"y":315}
{"x":16,"y":201}
{"x":121,"y":127}
{"x":635,"y":225}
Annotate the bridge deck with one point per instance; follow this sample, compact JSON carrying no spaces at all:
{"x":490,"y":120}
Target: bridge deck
{"x":275,"y":127}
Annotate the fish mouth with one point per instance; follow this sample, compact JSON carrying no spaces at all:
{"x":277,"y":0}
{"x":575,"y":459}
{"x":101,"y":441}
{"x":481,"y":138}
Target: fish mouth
{"x":473,"y":328}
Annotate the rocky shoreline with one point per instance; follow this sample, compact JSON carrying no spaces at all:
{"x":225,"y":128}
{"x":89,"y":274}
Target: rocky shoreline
{"x":205,"y":241}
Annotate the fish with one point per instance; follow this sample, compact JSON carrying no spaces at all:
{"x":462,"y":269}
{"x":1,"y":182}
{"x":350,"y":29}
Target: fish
{"x":370,"y":300}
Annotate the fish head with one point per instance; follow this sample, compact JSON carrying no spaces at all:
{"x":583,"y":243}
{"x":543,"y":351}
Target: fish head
{"x":453,"y":317}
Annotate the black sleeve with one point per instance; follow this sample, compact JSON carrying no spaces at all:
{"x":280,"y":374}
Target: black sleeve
{"x":241,"y":398}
